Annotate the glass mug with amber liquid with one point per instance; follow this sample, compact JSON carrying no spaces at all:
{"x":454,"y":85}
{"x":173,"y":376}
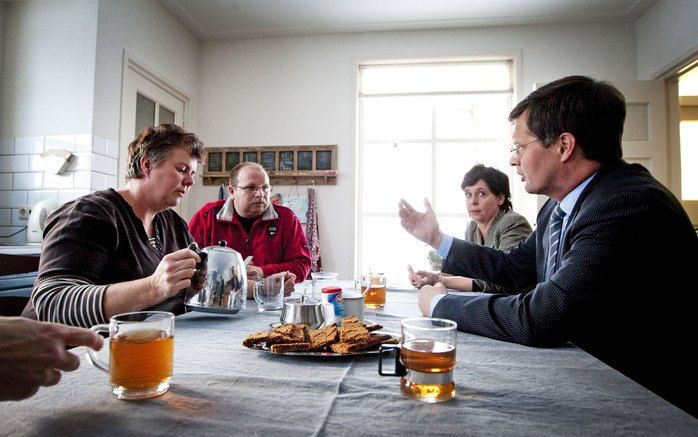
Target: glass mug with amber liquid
{"x":141,"y":354}
{"x":426,"y":358}
{"x":373,"y":287}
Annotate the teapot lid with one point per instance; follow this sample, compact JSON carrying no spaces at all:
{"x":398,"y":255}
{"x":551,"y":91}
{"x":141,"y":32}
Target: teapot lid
{"x":222,"y":246}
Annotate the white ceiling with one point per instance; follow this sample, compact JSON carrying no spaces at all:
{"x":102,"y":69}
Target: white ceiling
{"x":235,"y":19}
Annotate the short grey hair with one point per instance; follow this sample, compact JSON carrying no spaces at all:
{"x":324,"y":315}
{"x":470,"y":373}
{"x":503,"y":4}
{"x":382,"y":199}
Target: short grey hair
{"x":156,"y":143}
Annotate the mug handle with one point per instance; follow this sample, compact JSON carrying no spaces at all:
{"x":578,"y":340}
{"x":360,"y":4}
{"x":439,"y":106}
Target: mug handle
{"x":357,"y":287}
{"x":399,"y":367}
{"x":91,"y":354}
{"x":255,"y":292}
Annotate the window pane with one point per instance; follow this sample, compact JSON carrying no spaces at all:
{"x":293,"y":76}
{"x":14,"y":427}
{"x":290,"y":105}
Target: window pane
{"x":388,"y":248}
{"x":455,"y":118}
{"x":166,"y":116}
{"x":472,"y":116}
{"x":420,"y":144}
{"x":396,"y":118}
{"x":453,"y":160}
{"x":455,"y":226}
{"x":437,"y":77}
{"x":145,"y":112}
{"x":390,"y":173}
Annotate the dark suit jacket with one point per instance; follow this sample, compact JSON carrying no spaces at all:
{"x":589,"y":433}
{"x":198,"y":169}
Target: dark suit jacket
{"x":625,"y":289}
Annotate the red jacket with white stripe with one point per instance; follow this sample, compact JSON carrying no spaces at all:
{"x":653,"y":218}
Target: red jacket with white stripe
{"x":276,"y":240}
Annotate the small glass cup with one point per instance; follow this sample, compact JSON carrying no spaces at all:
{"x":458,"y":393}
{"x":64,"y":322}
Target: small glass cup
{"x":269,"y":293}
{"x":320,"y":281}
{"x":141,"y":354}
{"x":426,"y":359}
{"x":373,"y":287}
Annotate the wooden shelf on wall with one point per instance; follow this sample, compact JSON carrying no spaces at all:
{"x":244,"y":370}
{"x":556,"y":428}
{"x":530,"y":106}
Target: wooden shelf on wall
{"x":286,"y":165}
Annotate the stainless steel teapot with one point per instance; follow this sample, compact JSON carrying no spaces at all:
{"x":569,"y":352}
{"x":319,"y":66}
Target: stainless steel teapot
{"x":225,"y":289}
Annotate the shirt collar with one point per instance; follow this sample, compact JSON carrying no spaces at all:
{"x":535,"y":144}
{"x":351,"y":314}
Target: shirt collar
{"x":570,"y":200}
{"x":228,"y":212}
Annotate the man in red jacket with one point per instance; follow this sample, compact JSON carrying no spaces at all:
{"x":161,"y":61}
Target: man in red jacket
{"x":250,"y":224}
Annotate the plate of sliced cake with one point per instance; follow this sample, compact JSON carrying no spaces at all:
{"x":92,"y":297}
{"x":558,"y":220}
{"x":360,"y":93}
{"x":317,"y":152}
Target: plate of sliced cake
{"x":352,"y":338}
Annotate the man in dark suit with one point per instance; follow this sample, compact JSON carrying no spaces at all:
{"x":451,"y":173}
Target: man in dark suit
{"x":614,"y":255}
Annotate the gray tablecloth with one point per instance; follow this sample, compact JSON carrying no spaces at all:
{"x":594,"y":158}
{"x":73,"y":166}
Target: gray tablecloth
{"x":222,"y":388}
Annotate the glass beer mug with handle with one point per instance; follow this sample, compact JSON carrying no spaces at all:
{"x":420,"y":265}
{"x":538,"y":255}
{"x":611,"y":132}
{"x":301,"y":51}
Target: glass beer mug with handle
{"x":426,"y":358}
{"x":269,"y":293}
{"x":141,"y":353}
{"x":373,"y":286}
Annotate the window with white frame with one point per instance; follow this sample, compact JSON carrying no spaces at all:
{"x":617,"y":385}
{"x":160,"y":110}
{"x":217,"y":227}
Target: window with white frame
{"x":421,"y":127}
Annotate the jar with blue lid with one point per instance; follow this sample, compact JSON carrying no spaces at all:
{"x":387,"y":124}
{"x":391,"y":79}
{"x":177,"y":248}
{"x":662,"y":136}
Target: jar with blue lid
{"x":333,"y":295}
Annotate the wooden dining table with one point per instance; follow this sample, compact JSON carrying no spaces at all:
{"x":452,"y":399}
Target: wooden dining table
{"x":221,"y":388}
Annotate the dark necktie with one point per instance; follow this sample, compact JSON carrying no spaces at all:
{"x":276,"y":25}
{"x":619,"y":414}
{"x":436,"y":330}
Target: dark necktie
{"x":554,"y":237}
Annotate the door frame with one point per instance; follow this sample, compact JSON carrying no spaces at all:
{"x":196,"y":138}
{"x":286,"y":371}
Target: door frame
{"x":133,"y":64}
{"x":670,"y":76}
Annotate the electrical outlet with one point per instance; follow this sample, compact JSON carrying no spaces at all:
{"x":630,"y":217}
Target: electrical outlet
{"x":24,"y":212}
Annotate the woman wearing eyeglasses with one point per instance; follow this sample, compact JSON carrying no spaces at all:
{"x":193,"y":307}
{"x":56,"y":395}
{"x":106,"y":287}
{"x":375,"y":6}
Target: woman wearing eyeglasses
{"x":493,"y":224}
{"x":116,"y":251}
{"x":249,"y":223}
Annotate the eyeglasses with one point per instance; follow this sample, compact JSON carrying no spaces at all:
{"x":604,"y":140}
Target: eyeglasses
{"x":518,"y":149}
{"x":251,"y":189}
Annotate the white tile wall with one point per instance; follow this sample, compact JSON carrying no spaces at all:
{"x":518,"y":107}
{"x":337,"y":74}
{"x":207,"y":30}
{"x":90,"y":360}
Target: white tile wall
{"x":99,"y":145}
{"x":68,"y":195}
{"x":13,"y":199}
{"x":5,"y":181}
{"x":112,"y":149}
{"x":66,"y":142}
{"x":35,"y":196}
{"x":28,"y":181}
{"x":102,"y":181}
{"x":7,"y":146}
{"x":36,"y":163}
{"x":83,"y":179}
{"x":24,"y":183}
{"x":81,"y":161}
{"x":83,"y":143}
{"x":14,"y":163}
{"x":16,"y":221}
{"x":27,"y":145}
{"x":59,"y":181}
{"x":103,"y":164}
{"x":5,"y":218}
{"x":98,"y":181}
{"x":16,"y":240}
{"x":110,"y":182}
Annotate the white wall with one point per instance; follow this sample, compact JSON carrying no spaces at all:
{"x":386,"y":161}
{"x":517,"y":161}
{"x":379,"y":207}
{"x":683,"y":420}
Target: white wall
{"x":301,"y":91}
{"x":47,"y":92}
{"x":61,"y":88}
{"x":666,"y":34}
{"x":48,"y":67}
{"x":148,"y":32}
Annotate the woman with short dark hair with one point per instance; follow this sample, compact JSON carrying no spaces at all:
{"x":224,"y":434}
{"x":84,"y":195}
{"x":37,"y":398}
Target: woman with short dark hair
{"x":116,"y":251}
{"x":493,"y":224}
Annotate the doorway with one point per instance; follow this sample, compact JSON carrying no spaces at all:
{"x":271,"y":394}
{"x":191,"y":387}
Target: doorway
{"x":688,"y":140}
{"x":682,"y":98}
{"x":146,"y":100}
